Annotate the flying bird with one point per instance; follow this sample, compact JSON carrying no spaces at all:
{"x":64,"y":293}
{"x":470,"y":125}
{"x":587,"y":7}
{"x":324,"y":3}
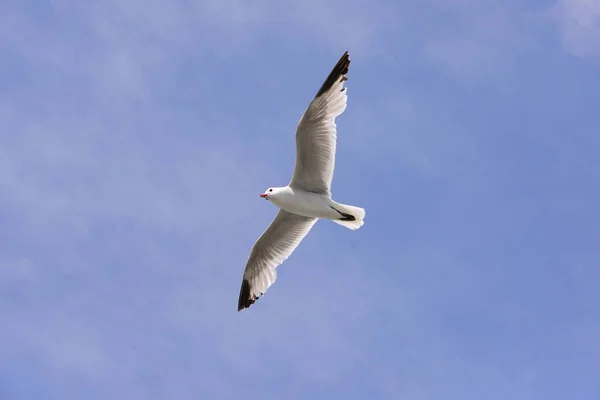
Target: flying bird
{"x":307,"y":197}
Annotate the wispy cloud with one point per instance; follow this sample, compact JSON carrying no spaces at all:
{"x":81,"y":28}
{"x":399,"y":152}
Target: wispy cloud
{"x":480,"y":40}
{"x":580,"y":23}
{"x":135,"y":139}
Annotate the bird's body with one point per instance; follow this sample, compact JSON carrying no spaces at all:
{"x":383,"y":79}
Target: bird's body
{"x":307,"y":198}
{"x":301,"y":202}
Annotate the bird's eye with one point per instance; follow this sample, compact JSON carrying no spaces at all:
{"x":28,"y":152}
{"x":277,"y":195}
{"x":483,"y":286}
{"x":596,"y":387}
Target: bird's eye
{"x":270,"y":190}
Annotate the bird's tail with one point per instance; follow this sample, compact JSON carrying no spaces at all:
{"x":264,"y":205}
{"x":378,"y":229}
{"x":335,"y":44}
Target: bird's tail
{"x":351,"y":217}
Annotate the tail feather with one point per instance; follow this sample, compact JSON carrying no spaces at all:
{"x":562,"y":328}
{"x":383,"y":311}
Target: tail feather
{"x":351,"y":217}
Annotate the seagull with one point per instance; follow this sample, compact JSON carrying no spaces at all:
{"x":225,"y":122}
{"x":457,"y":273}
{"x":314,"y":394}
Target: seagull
{"x":307,"y":197}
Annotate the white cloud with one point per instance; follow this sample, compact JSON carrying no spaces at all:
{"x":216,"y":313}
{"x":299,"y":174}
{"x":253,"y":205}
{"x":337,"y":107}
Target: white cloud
{"x":123,"y":247}
{"x":476,"y":40}
{"x":580,"y":22}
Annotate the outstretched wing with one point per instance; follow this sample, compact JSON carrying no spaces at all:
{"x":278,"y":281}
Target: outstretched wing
{"x":275,"y":245}
{"x":316,"y":134}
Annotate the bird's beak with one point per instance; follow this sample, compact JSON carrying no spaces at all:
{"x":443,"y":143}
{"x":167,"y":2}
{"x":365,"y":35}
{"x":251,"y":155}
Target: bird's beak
{"x":263,"y":195}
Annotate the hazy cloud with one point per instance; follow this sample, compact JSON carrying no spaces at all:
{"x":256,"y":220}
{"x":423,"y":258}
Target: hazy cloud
{"x":580,"y":23}
{"x":136,"y":137}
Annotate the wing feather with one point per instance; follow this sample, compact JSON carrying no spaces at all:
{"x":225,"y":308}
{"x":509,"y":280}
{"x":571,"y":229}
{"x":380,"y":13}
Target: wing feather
{"x":316,"y":134}
{"x":275,"y":245}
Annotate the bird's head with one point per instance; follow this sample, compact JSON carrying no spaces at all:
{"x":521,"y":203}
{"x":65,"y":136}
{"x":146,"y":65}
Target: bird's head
{"x":271,"y":192}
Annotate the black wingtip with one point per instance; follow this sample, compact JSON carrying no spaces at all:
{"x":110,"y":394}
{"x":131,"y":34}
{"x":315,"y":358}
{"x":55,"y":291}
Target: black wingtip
{"x":246,"y":299}
{"x":340,"y":70}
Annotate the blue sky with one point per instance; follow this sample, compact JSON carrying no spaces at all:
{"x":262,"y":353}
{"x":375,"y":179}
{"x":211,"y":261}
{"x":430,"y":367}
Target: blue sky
{"x":136,"y":136}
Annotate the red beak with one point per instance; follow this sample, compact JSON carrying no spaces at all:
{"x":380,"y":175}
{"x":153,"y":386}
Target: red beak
{"x":263,"y":195}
